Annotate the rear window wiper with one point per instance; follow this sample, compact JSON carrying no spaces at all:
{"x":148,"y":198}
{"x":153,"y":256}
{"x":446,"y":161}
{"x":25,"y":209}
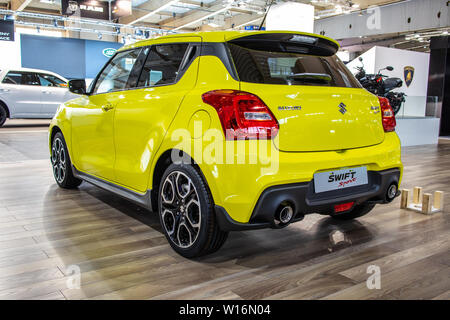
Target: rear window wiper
{"x":315,"y":77}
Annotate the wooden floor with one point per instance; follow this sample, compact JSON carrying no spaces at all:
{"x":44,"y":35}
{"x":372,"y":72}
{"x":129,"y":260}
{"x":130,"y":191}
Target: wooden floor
{"x":46,"y":233}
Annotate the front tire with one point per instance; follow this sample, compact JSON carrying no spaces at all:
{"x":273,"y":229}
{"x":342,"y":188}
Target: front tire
{"x":358,"y":211}
{"x":3,"y":114}
{"x":186,"y":212}
{"x":61,"y":164}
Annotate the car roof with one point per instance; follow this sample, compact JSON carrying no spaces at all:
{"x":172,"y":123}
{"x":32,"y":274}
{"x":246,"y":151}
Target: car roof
{"x":32,"y":70}
{"x":213,"y":36}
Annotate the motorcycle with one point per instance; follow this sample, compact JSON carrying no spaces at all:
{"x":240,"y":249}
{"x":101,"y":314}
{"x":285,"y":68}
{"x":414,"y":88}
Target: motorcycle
{"x":381,"y":85}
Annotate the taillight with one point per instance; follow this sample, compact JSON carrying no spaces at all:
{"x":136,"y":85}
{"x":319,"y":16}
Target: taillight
{"x":387,"y":115}
{"x":243,"y":115}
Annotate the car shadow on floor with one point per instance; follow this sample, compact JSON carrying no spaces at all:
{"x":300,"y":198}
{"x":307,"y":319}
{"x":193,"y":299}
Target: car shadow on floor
{"x":311,"y":238}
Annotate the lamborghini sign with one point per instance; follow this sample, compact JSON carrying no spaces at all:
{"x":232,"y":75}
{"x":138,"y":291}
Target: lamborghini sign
{"x":409,"y":75}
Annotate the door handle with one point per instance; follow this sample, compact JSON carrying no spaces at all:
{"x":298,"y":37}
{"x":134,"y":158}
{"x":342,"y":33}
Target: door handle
{"x":4,"y":90}
{"x":46,"y":92}
{"x":107,"y":107}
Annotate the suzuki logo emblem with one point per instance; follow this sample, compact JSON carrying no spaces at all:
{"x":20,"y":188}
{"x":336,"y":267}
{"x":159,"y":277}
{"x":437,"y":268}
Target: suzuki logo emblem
{"x":342,"y":108}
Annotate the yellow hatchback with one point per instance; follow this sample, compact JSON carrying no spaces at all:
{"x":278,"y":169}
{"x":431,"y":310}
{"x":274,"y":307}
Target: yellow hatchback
{"x":224,"y":131}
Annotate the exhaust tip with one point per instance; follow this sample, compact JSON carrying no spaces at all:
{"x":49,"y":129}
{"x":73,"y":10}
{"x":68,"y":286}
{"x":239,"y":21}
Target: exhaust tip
{"x":283,"y":216}
{"x":286,"y":214}
{"x":391,"y":192}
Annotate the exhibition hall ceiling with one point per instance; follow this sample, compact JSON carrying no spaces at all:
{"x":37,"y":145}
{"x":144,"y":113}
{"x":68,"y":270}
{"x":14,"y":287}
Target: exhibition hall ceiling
{"x":191,"y":15}
{"x":153,"y":17}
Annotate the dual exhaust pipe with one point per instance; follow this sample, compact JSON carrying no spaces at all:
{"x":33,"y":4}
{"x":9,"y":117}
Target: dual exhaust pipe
{"x":286,"y":211}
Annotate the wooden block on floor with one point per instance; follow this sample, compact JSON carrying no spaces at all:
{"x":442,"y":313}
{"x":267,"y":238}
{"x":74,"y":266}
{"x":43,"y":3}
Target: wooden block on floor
{"x":426,"y":203}
{"x":404,"y":202}
{"x":439,"y":200}
{"x":417,"y":193}
{"x":423,"y":203}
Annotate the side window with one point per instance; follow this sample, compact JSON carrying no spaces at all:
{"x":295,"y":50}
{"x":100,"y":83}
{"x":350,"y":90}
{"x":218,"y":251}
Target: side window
{"x":115,"y":76}
{"x":17,"y":77}
{"x":162,"y":64}
{"x":47,"y":80}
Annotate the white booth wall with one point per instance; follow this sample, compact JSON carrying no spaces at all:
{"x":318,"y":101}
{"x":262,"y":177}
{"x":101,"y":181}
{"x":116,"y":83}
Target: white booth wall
{"x":291,"y":16}
{"x":416,"y":94}
{"x":413,"y":127}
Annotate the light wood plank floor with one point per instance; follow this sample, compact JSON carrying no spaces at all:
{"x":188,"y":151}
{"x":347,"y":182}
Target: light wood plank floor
{"x":46,"y":232}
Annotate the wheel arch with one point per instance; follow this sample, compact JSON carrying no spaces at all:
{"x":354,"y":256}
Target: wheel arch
{"x":163,"y":162}
{"x":8,"y":113}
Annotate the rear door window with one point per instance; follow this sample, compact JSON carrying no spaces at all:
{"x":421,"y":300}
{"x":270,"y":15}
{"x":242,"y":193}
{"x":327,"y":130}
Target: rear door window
{"x":162,"y":65}
{"x":269,"y":67}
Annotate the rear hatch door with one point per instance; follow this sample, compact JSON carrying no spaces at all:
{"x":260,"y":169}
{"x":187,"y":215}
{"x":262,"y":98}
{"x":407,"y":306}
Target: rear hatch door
{"x":318,"y":103}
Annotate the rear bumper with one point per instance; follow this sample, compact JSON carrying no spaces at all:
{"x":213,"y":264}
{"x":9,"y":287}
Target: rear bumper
{"x":305,"y":201}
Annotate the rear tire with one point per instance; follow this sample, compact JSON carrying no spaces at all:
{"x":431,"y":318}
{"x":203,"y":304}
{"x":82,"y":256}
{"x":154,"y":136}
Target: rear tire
{"x":358,"y":211}
{"x":3,"y":114}
{"x":61,"y":164}
{"x":186,"y":212}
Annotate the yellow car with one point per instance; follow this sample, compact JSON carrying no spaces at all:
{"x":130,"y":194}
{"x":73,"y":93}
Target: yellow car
{"x":225,"y":131}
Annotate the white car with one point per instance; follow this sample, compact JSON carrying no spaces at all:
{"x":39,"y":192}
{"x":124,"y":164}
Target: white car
{"x":30,"y":93}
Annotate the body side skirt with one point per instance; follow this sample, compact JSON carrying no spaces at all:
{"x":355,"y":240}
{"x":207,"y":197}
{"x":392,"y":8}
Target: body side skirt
{"x":143,"y":200}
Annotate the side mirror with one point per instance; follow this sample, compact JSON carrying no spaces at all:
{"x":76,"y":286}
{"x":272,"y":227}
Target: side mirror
{"x":77,"y":86}
{"x":389,"y":68}
{"x":360,"y":59}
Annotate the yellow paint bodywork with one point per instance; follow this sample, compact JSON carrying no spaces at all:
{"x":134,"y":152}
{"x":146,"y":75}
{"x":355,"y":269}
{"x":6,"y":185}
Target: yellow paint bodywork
{"x":122,"y":146}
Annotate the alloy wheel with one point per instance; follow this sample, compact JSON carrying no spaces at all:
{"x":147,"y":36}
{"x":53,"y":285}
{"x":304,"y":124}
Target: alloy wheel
{"x":180,"y":209}
{"x":59,"y":160}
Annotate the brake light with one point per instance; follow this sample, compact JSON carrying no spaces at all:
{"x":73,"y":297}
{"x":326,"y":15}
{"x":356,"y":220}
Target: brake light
{"x":243,"y":115}
{"x":343,"y":207}
{"x":387,"y":115}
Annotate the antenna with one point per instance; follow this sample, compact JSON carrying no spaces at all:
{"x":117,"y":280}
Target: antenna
{"x":265,"y":15}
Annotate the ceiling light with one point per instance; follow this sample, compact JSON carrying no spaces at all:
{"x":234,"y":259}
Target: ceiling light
{"x":201,"y":19}
{"x":168,"y":4}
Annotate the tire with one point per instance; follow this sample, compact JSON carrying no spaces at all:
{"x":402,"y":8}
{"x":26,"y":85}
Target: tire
{"x":3,"y":114}
{"x":359,"y":211}
{"x":186,"y":212}
{"x":61,"y":164}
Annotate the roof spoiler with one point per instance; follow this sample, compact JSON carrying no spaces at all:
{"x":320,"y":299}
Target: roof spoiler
{"x":289,"y":43}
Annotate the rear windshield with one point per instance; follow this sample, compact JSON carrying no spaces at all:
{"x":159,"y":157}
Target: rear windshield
{"x":268,"y":67}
